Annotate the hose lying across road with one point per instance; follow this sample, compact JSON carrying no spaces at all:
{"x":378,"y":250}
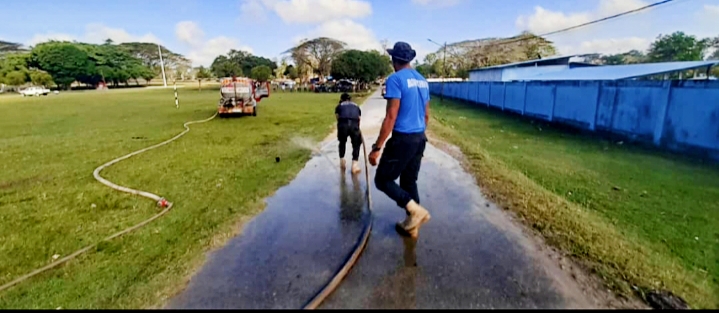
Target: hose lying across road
{"x":161,"y":201}
{"x":356,"y":251}
{"x":320,"y":296}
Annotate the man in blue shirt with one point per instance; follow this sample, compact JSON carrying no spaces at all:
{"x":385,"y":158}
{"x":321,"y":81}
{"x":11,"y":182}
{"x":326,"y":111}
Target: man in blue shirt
{"x":406,"y":119}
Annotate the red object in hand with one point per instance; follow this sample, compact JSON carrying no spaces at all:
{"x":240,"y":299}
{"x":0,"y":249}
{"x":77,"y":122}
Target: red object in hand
{"x":163,"y":203}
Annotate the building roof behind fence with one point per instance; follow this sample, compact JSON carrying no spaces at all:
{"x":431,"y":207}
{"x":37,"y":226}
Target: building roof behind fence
{"x":516,"y":64}
{"x":617,"y":72}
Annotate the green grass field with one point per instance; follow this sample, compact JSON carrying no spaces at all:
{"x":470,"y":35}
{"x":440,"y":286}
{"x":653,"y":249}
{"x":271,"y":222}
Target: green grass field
{"x":641,"y":216}
{"x":216,"y":175}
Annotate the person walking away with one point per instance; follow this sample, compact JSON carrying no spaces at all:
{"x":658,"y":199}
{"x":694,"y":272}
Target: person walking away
{"x":406,"y":119}
{"x":348,"y":116}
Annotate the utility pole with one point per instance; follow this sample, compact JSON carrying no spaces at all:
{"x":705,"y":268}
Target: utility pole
{"x":162,"y":65}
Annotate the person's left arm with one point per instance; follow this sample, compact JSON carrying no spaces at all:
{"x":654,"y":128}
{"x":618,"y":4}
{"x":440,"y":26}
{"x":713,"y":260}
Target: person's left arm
{"x":337,"y":112}
{"x":426,"y":114}
{"x":426,"y":107}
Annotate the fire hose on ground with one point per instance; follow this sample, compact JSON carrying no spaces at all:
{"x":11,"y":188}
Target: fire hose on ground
{"x":353,"y":257}
{"x":162,"y":202}
{"x":316,"y":300}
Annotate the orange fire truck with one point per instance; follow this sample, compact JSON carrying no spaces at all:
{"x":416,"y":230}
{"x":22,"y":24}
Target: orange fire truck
{"x":240,"y":95}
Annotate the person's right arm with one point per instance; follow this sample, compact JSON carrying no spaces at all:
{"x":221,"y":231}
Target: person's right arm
{"x":393,"y":95}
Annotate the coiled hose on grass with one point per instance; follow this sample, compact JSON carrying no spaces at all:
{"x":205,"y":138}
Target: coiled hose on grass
{"x":160,"y":201}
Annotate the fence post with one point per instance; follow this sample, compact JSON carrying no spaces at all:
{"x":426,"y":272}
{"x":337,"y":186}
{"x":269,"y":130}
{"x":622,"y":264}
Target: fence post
{"x":504,"y":94}
{"x":593,"y":125}
{"x":489,"y":98}
{"x":663,"y":111}
{"x":615,"y":102}
{"x":554,"y":101}
{"x":524,"y":106}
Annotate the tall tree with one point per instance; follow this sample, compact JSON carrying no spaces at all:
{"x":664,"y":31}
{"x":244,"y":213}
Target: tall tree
{"x":261,"y":73}
{"x":7,"y":47}
{"x":15,"y":62}
{"x":317,"y":54}
{"x":63,"y":60}
{"x":677,"y":47}
{"x":41,"y":78}
{"x":363,"y":66}
{"x":238,"y":63}
{"x":291,"y":72}
{"x":150,"y":57}
{"x":15,"y":78}
{"x":202,"y":74}
{"x":461,"y":57}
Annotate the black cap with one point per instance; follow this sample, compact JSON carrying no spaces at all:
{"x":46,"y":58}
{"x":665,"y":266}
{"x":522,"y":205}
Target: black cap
{"x":345,"y":97}
{"x":402,"y":51}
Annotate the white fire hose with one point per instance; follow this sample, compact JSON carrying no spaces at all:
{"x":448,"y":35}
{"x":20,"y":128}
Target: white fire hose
{"x":159,"y":200}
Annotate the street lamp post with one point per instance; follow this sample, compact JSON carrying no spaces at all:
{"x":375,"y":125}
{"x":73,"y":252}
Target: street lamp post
{"x":444,"y":68}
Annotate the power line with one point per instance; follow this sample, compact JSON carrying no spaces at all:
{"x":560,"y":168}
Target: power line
{"x":656,"y":4}
{"x":608,"y":17}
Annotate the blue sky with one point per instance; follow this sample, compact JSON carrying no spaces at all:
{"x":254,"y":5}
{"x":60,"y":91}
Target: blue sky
{"x":204,"y":29}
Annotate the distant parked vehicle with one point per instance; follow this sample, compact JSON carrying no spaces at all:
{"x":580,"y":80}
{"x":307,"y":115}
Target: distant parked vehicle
{"x":344,"y":86}
{"x":35,"y":91}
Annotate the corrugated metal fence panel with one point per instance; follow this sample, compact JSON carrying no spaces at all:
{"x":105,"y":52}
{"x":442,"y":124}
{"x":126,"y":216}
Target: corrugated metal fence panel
{"x":514,"y":97}
{"x":680,"y":115}
{"x":496,"y":95}
{"x":540,"y":98}
{"x":576,"y":102}
{"x":693,"y":117}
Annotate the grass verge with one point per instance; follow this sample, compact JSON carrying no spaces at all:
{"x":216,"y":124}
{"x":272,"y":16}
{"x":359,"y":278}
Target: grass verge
{"x":217,"y":176}
{"x":635,"y":216}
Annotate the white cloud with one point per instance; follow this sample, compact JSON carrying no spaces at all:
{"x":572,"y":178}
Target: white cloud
{"x":607,"y":46}
{"x":421,"y":50}
{"x":209,"y":50}
{"x":253,"y":10}
{"x":436,"y":3}
{"x":356,"y":35}
{"x":95,"y":33}
{"x":203,"y":52}
{"x":609,"y":37}
{"x":308,"y":11}
{"x":544,"y":21}
{"x":189,"y":32}
{"x":708,"y":20}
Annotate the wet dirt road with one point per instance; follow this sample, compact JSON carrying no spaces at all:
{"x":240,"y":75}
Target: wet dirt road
{"x":470,"y":255}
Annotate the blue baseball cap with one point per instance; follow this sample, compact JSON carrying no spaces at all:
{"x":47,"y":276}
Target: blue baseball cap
{"x":402,"y":51}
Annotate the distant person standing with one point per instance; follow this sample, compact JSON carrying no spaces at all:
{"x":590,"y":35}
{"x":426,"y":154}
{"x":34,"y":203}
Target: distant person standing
{"x":407,"y":94}
{"x":348,"y":116}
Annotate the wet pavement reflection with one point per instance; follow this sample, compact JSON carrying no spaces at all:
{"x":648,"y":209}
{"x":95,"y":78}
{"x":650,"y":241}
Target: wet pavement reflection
{"x":468,"y":256}
{"x":290,"y":250}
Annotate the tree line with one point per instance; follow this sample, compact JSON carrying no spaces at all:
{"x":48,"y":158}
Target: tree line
{"x":62,"y":63}
{"x":677,"y":46}
{"x":325,"y":56}
{"x":464,"y":56}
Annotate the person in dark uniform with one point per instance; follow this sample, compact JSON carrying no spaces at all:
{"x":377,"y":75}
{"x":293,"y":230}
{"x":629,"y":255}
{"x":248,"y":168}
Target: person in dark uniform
{"x":348,"y":116}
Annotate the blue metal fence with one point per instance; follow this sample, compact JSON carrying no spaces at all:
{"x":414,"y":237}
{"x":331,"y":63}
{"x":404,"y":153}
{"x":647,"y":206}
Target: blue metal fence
{"x":679,"y":115}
